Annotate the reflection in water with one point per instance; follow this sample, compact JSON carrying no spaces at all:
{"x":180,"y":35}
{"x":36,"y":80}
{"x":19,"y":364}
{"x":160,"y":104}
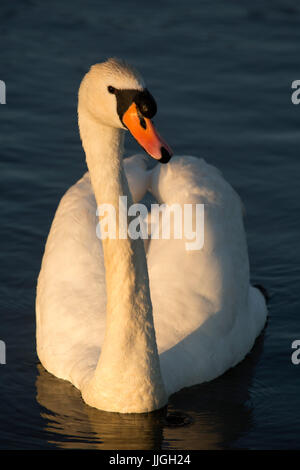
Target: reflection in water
{"x":74,"y":424}
{"x":207,"y":416}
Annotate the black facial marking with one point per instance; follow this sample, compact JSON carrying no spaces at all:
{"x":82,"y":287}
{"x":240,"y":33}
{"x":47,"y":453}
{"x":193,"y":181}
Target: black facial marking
{"x":146,"y":104}
{"x":165,"y":155}
{"x":124,"y":99}
{"x":144,"y":101}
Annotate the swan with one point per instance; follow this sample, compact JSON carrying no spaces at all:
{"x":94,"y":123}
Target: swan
{"x":128,"y":325}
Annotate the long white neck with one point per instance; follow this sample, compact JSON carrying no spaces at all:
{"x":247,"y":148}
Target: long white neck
{"x":127,"y":377}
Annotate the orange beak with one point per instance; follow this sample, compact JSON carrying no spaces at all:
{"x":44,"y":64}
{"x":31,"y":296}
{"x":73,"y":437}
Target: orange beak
{"x":146,"y":135}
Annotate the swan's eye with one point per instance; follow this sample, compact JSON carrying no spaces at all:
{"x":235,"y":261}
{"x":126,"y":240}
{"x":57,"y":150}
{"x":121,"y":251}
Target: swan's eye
{"x":111,"y":89}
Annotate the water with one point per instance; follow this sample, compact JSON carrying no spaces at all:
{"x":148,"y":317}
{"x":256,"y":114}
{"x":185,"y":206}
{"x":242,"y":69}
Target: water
{"x":221,"y":73}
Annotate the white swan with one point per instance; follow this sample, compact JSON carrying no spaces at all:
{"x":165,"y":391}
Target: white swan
{"x":95,"y":325}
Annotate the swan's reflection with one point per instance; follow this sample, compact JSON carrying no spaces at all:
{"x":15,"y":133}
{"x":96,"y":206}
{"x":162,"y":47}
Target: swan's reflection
{"x":208,"y":416}
{"x":73,"y":424}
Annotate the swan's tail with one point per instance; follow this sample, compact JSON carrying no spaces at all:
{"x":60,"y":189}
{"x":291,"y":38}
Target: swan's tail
{"x":264,"y":292}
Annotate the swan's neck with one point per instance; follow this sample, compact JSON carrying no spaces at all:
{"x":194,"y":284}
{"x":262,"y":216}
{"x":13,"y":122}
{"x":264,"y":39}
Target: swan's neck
{"x":127,"y":377}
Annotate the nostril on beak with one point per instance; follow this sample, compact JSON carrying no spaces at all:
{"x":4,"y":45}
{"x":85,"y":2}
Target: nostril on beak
{"x":142,"y":120}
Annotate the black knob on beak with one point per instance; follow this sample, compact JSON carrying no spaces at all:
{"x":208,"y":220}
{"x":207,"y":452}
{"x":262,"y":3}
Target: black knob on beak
{"x":146,"y":103}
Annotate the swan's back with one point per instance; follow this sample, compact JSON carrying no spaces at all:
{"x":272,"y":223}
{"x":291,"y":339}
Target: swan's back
{"x":207,"y":315}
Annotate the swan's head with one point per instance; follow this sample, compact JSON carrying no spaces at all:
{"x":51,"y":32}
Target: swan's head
{"x":114,"y":94}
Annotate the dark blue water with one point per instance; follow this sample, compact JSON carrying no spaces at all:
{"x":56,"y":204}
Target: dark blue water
{"x":221,"y":73}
